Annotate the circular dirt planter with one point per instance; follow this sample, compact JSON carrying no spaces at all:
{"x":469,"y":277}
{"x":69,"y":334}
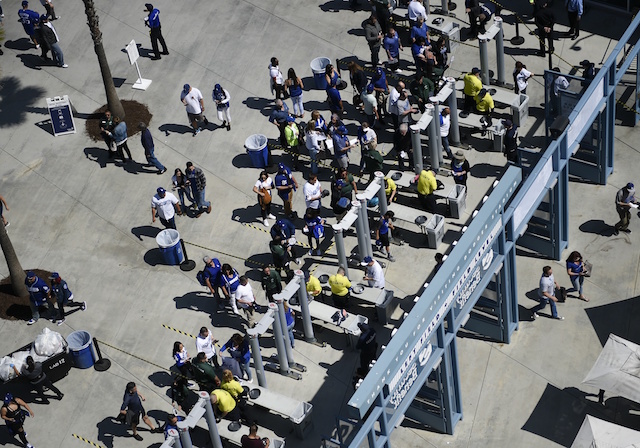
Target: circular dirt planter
{"x":135,"y":113}
{"x":13,"y":307}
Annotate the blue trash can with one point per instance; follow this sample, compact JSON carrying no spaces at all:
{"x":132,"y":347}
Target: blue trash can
{"x":169,"y":243}
{"x":318,"y":66}
{"x":81,"y":349}
{"x":256,"y":146}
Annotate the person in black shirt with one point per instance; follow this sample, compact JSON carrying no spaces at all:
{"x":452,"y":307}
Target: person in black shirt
{"x":545,"y":20}
{"x":38,"y":379}
{"x":13,"y":414}
{"x":132,"y":408}
{"x":511,"y":141}
{"x":367,"y":345}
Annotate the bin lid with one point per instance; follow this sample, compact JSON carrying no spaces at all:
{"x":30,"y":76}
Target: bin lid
{"x":255,"y":142}
{"x":168,"y":238}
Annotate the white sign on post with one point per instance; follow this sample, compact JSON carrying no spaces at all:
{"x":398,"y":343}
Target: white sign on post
{"x":132,"y":52}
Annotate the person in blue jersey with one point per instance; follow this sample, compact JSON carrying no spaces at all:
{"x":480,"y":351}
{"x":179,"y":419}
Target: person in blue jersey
{"x":153,"y":22}
{"x":238,"y":347}
{"x":341,"y":147}
{"x":420,"y":29}
{"x":284,"y":228}
{"x":63,"y":296}
{"x":382,"y":233}
{"x":230,"y":281}
{"x":212,"y":274}
{"x":393,"y":46}
{"x":29,"y":18}
{"x":286,"y":184}
{"x":222,"y":99}
{"x":314,"y":226}
{"x":39,"y":292}
{"x":335,"y":100}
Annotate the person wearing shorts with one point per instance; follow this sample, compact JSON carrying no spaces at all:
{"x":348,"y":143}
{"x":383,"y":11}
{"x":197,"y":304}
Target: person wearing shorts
{"x":194,"y":102}
{"x":382,"y":233}
{"x":132,"y":408}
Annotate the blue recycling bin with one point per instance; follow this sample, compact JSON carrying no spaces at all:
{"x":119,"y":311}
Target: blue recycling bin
{"x":169,"y":243}
{"x":318,"y":66}
{"x":256,"y":146}
{"x":81,"y":349}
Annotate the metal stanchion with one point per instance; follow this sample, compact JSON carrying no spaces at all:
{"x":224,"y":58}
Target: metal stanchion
{"x":436,"y":118}
{"x":280,"y":346}
{"x":500,"y":50}
{"x":285,"y":335}
{"x":454,"y":130}
{"x":382,"y":196}
{"x":101,"y":364}
{"x":185,"y":437}
{"x":175,"y":435}
{"x":417,"y":148}
{"x":257,"y":357}
{"x":433,"y":140}
{"x":211,"y":420}
{"x":342,"y":256}
{"x":186,"y":265}
{"x":517,"y":39}
{"x":484,"y":61}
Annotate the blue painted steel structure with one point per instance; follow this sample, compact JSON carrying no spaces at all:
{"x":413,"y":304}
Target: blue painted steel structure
{"x":476,"y":288}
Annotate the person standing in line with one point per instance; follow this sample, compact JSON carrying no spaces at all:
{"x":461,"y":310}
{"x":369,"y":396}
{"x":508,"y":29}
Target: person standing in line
{"x":290,"y":317}
{"x":313,"y":137}
{"x":198,"y":183}
{"x":370,"y":106}
{"x":13,"y":414}
{"x":402,"y":146}
{"x":194,"y":103}
{"x":340,"y":287}
{"x":221,"y":97}
{"x":230,"y":281}
{"x":367,"y":345}
{"x":3,"y":205}
{"x":207,"y":345}
{"x":625,"y":199}
{"x":279,"y":117}
{"x":106,"y":127}
{"x":239,"y":350}
{"x":51,"y":38}
{"x":48,"y":5}
{"x":577,"y":272}
{"x":521,"y":77}
{"x":276,"y":79}
{"x":271,"y":282}
{"x":368,"y":140}
{"x":510,"y":141}
{"x":546,"y":294}
{"x":63,"y":296}
{"x":212,"y":276}
{"x":374,"y":275}
{"x":545,"y":20}
{"x":132,"y":408}
{"x":262,"y":188}
{"x":153,"y":22}
{"x":373,"y":34}
{"x":472,"y":86}
{"x":405,"y":108}
{"x":341,"y":147}
{"x":358,"y":82}
{"x":295,"y":86}
{"x":149,"y":149}
{"x":38,"y":295}
{"x":460,"y":168}
{"x":183,"y":360}
{"x":382,"y":233}
{"x":119,"y":136}
{"x":165,"y":205}
{"x":203,"y":373}
{"x":382,"y":13}
{"x":38,"y":379}
{"x":312,"y":191}
{"x":286,"y":184}
{"x":29,"y":18}
{"x":445,"y":126}
{"x":244,"y":299}
{"x":575,"y":8}
{"x":393,"y":46}
{"x":292,"y":135}
{"x":392,"y":107}
{"x":314,"y":226}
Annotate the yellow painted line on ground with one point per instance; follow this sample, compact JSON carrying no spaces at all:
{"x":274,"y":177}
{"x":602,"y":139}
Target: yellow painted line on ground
{"x":87,"y":441}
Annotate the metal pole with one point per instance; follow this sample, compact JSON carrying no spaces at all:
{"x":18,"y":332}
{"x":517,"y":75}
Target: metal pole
{"x":257,"y":357}
{"x":517,"y":39}
{"x":445,"y":7}
{"x":210,"y":417}
{"x":500,"y":50}
{"x":283,"y":323}
{"x":484,"y":62}
{"x":436,"y":117}
{"x":433,"y":142}
{"x":304,"y":307}
{"x":454,"y":131}
{"x":342,"y":256}
{"x":417,"y":148}
{"x":364,"y":216}
{"x":185,"y":437}
{"x":277,"y":332}
{"x":360,"y":232}
{"x":175,"y":436}
{"x":382,"y":196}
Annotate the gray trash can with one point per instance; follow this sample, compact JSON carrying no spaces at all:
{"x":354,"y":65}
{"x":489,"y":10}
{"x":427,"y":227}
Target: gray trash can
{"x":498,"y":136}
{"x":318,"y":66}
{"x":256,"y":146}
{"x":520,"y":110}
{"x":169,"y":243}
{"x":435,"y":231}
{"x":457,"y":200}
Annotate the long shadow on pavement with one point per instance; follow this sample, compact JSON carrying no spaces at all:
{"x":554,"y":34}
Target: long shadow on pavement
{"x":15,"y":100}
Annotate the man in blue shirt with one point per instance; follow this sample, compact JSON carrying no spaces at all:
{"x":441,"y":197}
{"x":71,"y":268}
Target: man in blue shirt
{"x":286,"y":184}
{"x":149,"y":149}
{"x":382,"y":234}
{"x":341,"y":146}
{"x":29,"y":18}
{"x":212,"y":274}
{"x":392,"y":45}
{"x":38,"y":295}
{"x":153,"y":22}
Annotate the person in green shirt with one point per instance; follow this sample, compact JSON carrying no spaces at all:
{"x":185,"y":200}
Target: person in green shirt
{"x":271,"y":282}
{"x":204,"y":374}
{"x":350,"y":182}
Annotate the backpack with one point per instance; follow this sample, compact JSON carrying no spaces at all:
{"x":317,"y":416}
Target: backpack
{"x":200,"y":278}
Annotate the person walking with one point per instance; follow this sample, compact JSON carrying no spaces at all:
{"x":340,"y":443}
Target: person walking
{"x":51,"y":13}
{"x":276,"y":79}
{"x":153,"y":22}
{"x":314,"y":227}
{"x":14,"y":415}
{"x":576,"y":271}
{"x":271,"y":282}
{"x":3,"y":205}
{"x":51,"y":39}
{"x":575,"y":8}
{"x":194,"y":103}
{"x":245,"y":300}
{"x":262,"y":188}
{"x":119,"y":136}
{"x":165,"y":205}
{"x":625,"y":200}
{"x":382,"y":232}
{"x":38,"y":294}
{"x":374,"y":36}
{"x":294,"y":84}
{"x":149,"y":150}
{"x":546,"y":294}
{"x":198,"y":182}
{"x":286,"y":184}
{"x":392,"y":46}
{"x":29,"y":18}
{"x":63,"y":296}
{"x":222,"y":99}
{"x":38,"y":379}
{"x":132,"y":409}
{"x":179,"y":181}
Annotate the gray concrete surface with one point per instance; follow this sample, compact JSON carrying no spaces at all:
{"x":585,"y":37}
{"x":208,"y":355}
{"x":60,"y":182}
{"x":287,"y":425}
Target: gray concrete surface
{"x":71,"y":214}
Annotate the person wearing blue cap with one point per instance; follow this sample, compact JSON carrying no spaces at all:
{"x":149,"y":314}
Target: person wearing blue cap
{"x":625,"y":200}
{"x":62,"y":294}
{"x":374,"y":275}
{"x":165,"y":205}
{"x":194,"y":103}
{"x":278,"y":117}
{"x":286,"y":184}
{"x":341,"y":147}
{"x":29,"y":18}
{"x":221,"y":97}
{"x":13,"y":414}
{"x":39,"y":292}
{"x":153,"y":22}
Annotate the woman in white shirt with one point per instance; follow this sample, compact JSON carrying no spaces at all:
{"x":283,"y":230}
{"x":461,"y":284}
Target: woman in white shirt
{"x":313,"y":138}
{"x":262,"y":188}
{"x":521,"y":77}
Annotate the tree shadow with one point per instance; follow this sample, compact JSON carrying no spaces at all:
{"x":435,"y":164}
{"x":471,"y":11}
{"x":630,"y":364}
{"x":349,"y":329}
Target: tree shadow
{"x":15,"y":101}
{"x":148,"y":231}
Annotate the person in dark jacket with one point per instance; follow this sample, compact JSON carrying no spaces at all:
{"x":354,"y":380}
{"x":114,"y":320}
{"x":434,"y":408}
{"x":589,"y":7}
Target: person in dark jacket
{"x":147,"y":143}
{"x":50,"y":36}
{"x":153,"y":22}
{"x":198,"y":182}
{"x":63,"y":296}
{"x":38,"y":379}
{"x":545,"y":20}
{"x":511,"y":141}
{"x":367,"y":345}
{"x":271,"y":282}
{"x":373,"y":34}
{"x":132,"y":408}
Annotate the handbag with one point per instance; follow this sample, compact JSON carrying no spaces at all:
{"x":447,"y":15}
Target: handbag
{"x":266,"y":199}
{"x":588,"y":268}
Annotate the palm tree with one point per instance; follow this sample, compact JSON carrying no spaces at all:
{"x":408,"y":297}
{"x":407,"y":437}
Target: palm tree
{"x":115,"y":106}
{"x":15,"y":268}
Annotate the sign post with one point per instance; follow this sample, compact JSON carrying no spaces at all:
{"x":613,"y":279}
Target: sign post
{"x":61,"y":115}
{"x":132,"y":52}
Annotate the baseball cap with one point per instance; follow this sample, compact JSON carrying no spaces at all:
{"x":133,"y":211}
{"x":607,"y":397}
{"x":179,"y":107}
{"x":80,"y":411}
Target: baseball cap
{"x":379,"y":71}
{"x":585,"y":62}
{"x":31,"y":274}
{"x":54,"y":275}
{"x":281,"y":167}
{"x":149,"y":6}
{"x":369,"y":88}
{"x":25,"y":3}
{"x":43,"y":17}
{"x":142,"y":126}
{"x":340,"y":183}
{"x":366,"y":260}
{"x":507,"y":123}
{"x":186,"y":88}
{"x":161,"y":190}
{"x":290,"y":119}
{"x":341,"y":130}
{"x":206,"y":259}
{"x":475,"y":70}
{"x":630,"y":187}
{"x":8,"y":398}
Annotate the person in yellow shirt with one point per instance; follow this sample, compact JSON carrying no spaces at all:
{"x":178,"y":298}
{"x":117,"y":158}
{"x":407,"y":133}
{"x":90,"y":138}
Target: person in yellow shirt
{"x":484,"y":105}
{"x":390,"y":189}
{"x":314,"y":289}
{"x":426,"y":186}
{"x":224,"y":405}
{"x":472,"y":85}
{"x":340,"y":287}
{"x":231,"y":385}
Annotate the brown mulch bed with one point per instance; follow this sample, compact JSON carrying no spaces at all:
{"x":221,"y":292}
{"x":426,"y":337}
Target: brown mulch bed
{"x":13,"y":307}
{"x":135,"y":113}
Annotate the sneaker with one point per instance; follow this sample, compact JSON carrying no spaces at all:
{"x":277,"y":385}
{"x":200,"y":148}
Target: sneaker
{"x":318,"y":252}
{"x":228,"y":126}
{"x":209,"y":209}
{"x":390,"y":258}
{"x":559,"y":318}
{"x":626,"y":230}
{"x":60,"y":322}
{"x":138,"y":437}
{"x":224,"y":123}
{"x":310,"y":253}
{"x":197,"y":131}
{"x":31,"y":321}
{"x":64,"y":66}
{"x":53,"y":320}
{"x":28,"y":444}
{"x":249,"y":381}
{"x":162,"y":171}
{"x":7,"y":224}
{"x":398,"y":70}
{"x":206,"y":122}
{"x":271,"y":216}
{"x":535,"y":316}
{"x":266,"y":223}
{"x":298,"y":261}
{"x":84,"y":306}
{"x":37,"y":46}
